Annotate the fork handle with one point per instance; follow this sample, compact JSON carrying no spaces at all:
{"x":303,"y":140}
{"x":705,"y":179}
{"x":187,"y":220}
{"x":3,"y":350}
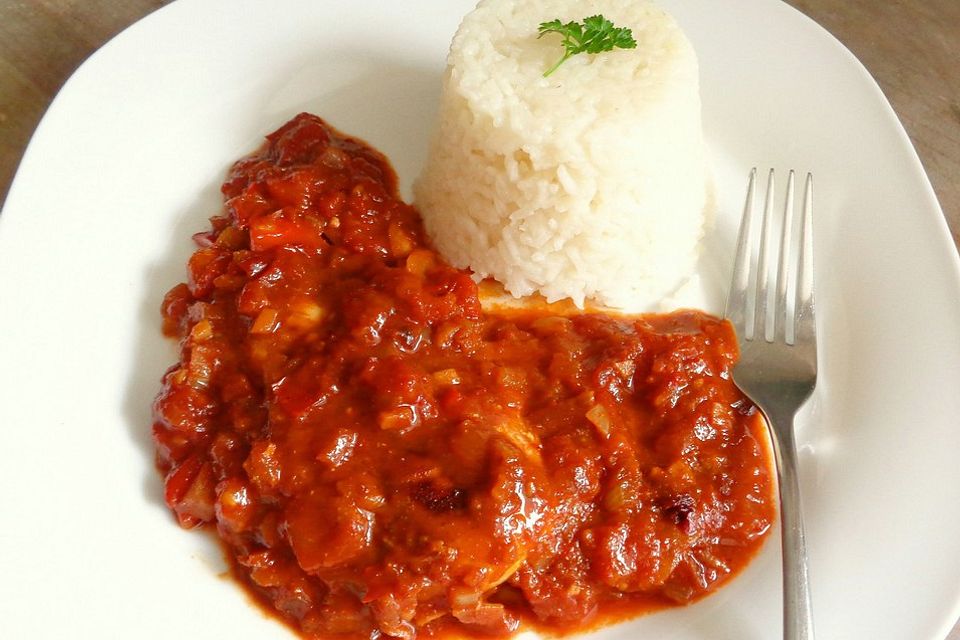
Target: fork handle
{"x":797,"y":610}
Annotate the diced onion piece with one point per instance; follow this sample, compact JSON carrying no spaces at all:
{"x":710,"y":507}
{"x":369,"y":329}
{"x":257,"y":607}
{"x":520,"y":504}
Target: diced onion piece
{"x":264,"y":569}
{"x":489,"y":617}
{"x":600,"y":418}
{"x":400,"y":242}
{"x":266,"y":321}
{"x":520,"y":434}
{"x":305,"y":314}
{"x":189,"y":492}
{"x":419,"y":261}
{"x":203,"y":361}
{"x":551,"y":325}
{"x":263,"y":465}
{"x":201,"y":331}
{"x":232,"y":238}
{"x":402,"y":417}
{"x":334,"y":158}
{"x":426,"y":614}
{"x":505,"y":574}
{"x":179,"y":376}
{"x":465,"y":598}
{"x":228,"y":282}
{"x":446,"y":377}
{"x":235,"y":506}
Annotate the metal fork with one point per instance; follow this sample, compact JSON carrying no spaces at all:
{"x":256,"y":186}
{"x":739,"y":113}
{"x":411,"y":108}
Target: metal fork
{"x":778,"y":365}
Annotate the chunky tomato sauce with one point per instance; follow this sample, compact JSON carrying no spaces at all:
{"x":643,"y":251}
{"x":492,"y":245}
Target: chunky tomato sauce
{"x":382,"y":456}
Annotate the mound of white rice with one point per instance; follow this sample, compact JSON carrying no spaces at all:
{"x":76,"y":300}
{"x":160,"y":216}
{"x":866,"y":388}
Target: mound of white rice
{"x":589,"y":183}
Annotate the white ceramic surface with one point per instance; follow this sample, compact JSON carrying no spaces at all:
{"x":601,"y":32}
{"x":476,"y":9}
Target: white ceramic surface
{"x":126,"y":165}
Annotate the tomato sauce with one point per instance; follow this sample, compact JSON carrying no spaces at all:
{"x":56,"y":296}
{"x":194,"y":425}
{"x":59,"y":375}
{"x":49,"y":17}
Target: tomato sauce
{"x":380,"y":455}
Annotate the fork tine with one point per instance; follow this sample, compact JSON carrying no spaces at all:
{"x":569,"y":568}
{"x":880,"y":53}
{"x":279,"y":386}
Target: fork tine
{"x":805,"y":308}
{"x":780,"y":321}
{"x":763,"y":266}
{"x":737,"y":298}
{"x":780,"y":377}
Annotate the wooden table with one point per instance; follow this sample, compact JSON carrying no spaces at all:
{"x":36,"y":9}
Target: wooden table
{"x":912,"y":47}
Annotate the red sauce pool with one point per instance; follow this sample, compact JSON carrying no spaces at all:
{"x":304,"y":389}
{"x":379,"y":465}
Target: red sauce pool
{"x":381,"y":456}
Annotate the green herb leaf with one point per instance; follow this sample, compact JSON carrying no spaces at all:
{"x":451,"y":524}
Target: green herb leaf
{"x":595,"y":35}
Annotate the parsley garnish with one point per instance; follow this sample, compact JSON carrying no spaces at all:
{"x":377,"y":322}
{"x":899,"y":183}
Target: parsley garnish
{"x":596,"y":34}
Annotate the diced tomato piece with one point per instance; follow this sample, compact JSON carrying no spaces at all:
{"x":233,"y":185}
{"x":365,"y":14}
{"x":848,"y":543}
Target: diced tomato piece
{"x":190,"y":492}
{"x":280,"y":229}
{"x":326,"y":532}
{"x":237,"y":505}
{"x":205,"y":266}
{"x":263,"y":466}
{"x":174,"y":309}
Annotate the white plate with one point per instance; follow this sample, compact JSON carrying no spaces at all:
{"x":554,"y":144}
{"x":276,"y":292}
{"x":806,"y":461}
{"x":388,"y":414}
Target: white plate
{"x":126,"y":165}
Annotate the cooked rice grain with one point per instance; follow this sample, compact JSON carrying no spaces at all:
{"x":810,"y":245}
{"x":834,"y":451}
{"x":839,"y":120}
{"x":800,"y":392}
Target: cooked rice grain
{"x":586,"y":184}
